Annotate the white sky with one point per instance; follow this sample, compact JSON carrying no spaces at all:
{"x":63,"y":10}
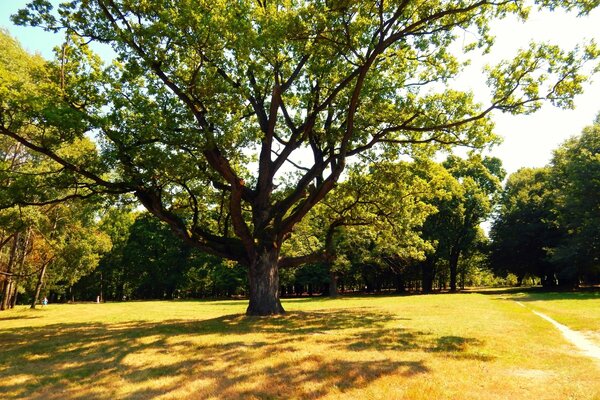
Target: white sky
{"x":528,"y":140}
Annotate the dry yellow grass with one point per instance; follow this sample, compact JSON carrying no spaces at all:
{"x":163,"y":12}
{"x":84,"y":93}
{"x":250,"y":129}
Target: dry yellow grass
{"x":466,"y":346}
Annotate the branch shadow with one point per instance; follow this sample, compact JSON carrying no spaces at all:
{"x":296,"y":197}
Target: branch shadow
{"x":18,"y":317}
{"x":230,"y":357}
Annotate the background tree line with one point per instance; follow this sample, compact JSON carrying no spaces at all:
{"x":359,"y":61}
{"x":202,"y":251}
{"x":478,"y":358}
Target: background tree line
{"x":548,"y":221}
{"x":377,"y":240}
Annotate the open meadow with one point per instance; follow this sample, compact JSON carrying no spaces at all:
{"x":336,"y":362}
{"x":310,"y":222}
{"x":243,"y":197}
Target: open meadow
{"x":464,"y":346}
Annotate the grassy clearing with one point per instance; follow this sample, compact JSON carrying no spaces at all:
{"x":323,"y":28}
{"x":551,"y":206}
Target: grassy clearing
{"x":467,"y":346}
{"x":578,"y":310}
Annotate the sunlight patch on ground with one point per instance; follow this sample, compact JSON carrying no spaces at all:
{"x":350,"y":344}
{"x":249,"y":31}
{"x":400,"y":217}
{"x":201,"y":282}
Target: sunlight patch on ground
{"x":533,"y":373}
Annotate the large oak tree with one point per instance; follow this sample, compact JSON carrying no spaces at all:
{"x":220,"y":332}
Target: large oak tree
{"x":230,"y":120}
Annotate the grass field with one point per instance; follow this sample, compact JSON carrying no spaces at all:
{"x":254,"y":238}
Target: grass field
{"x":465,"y":346}
{"x":577,"y":310}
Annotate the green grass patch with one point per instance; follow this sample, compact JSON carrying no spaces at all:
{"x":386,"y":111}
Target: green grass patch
{"x":466,"y":346}
{"x":577,"y":310}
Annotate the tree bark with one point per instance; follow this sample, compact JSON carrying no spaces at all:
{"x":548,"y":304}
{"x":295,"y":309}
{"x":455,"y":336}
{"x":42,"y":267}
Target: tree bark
{"x":333,"y":290}
{"x":8,"y":285}
{"x":5,"y":305}
{"x":454,"y":256}
{"x":427,"y":276}
{"x":13,"y":300}
{"x":101,"y":288}
{"x":20,"y":267}
{"x":263,"y":276}
{"x":38,"y":287}
{"x":400,"y":284}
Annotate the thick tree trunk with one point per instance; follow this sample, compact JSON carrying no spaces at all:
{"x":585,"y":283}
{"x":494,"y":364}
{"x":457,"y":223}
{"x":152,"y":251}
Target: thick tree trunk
{"x":38,"y":287}
{"x":263,"y":277}
{"x":454,"y":256}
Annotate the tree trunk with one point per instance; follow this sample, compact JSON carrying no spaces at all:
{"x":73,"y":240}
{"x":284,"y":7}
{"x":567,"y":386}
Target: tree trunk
{"x":13,"y":301}
{"x":20,"y":267}
{"x":38,"y":287}
{"x":400,"y":284}
{"x":333,"y":290}
{"x":427,"y":277}
{"x":101,"y":288}
{"x":263,"y":277}
{"x":5,"y":305}
{"x":454,"y":256}
{"x":8,"y":285}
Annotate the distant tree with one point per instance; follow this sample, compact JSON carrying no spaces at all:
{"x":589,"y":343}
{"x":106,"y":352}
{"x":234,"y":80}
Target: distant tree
{"x":154,"y":260}
{"x":148,"y":262}
{"x":575,"y":172}
{"x":455,"y":228}
{"x":197,"y":89}
{"x":109,"y":278}
{"x":66,"y":245}
{"x":474,"y":262}
{"x":379,"y":210}
{"x":526,"y":227}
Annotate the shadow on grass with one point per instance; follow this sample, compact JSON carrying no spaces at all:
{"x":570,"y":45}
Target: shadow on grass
{"x":227,"y":357}
{"x":19,"y":317}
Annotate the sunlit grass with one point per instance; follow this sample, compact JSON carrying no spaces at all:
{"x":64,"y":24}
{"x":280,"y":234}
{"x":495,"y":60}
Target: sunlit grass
{"x":467,"y":346}
{"x":577,"y":310}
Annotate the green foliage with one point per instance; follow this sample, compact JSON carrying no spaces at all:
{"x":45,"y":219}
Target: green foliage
{"x":148,"y":262}
{"x":576,"y":177}
{"x":473,"y":187}
{"x":61,"y":239}
{"x":526,"y":228}
{"x":197,"y":89}
{"x":548,"y":222}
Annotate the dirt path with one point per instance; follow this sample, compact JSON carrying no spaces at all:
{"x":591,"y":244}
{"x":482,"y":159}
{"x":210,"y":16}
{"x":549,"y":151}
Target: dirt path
{"x":578,"y":339}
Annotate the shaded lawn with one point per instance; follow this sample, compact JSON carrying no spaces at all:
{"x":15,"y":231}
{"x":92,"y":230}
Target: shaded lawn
{"x":420,"y":347}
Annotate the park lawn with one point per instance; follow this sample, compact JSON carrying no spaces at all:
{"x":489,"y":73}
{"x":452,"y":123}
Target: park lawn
{"x":465,"y":346}
{"x":577,"y":310}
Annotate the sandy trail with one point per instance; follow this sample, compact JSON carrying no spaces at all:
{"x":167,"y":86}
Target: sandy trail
{"x":578,"y":339}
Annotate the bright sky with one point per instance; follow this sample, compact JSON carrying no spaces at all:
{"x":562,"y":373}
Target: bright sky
{"x":528,"y":140}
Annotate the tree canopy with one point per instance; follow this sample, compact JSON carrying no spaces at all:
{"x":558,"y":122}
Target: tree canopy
{"x":548,"y":223}
{"x":525,"y":228}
